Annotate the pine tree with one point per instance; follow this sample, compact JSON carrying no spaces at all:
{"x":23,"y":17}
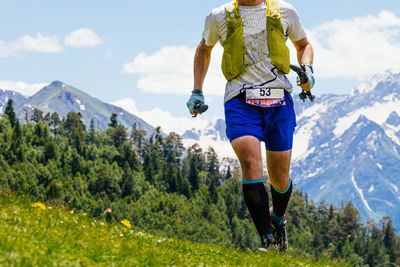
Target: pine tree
{"x":10,"y":113}
{"x":47,"y":117}
{"x":137,"y":140}
{"x":113,"y":120}
{"x":148,"y":168}
{"x":389,"y":239}
{"x":50,"y":151}
{"x":349,"y":221}
{"x":228,"y":174}
{"x":26,"y":115}
{"x":54,"y":122}
{"x":92,"y":134}
{"x":196,"y":165}
{"x":173,"y":147}
{"x":76,"y":131}
{"x":37,"y":115}
{"x":194,"y":175}
{"x":119,"y":135}
{"x":116,"y":131}
{"x":127,"y":182}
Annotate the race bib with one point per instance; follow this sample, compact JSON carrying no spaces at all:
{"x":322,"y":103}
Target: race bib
{"x":266,"y":97}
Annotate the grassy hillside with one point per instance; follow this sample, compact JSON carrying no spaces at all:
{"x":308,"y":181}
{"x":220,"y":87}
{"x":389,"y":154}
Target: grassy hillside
{"x":39,"y":234}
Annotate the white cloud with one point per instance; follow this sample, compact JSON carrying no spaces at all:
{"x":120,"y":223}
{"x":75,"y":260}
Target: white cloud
{"x":346,"y":48}
{"x":27,"y":43}
{"x":40,"y":44}
{"x":22,"y":87}
{"x":357,"y":47}
{"x":83,"y":37}
{"x":162,"y":118}
{"x":170,"y":71}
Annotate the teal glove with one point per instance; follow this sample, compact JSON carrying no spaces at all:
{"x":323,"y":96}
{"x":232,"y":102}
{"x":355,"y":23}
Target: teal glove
{"x":310,"y":74}
{"x":196,"y":102}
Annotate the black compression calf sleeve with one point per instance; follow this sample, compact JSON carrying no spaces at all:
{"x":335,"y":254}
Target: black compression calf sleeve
{"x":280,"y":200}
{"x":256,"y":198}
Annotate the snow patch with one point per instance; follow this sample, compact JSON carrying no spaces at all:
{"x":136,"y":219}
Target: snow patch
{"x":391,"y":97}
{"x":302,"y":137}
{"x":81,"y":106}
{"x":360,"y":192}
{"x":377,"y":113}
{"x":390,"y":204}
{"x":371,"y":84}
{"x":372,"y":188}
{"x":395,"y":188}
{"x":371,"y":140}
{"x":391,"y":131}
{"x":338,"y":145}
{"x":324,"y":145}
{"x":317,"y":171}
{"x":379,"y":166}
{"x":315,"y":109}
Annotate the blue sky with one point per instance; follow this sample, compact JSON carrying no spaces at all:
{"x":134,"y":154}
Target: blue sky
{"x":139,"y":53}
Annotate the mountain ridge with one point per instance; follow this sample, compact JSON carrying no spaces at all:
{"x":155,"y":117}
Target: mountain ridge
{"x":63,"y":98}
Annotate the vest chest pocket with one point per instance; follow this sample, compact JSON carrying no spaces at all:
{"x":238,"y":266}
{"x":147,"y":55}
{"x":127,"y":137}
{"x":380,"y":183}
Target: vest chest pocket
{"x":278,"y":51}
{"x":234,"y":48}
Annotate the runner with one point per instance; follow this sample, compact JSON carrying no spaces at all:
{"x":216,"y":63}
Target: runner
{"x":258,"y":102}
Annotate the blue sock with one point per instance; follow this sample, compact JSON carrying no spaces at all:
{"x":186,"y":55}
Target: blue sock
{"x":277,"y":220}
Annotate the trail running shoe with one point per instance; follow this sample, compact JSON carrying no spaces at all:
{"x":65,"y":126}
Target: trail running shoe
{"x":280,"y":236}
{"x":267,"y":243}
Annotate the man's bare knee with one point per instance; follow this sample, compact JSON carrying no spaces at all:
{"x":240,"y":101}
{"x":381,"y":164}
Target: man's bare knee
{"x":249,"y":163}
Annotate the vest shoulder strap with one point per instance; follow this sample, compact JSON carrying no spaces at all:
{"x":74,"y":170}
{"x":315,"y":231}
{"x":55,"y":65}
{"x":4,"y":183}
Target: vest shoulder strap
{"x":230,"y":7}
{"x":273,"y":8}
{"x":232,"y":10}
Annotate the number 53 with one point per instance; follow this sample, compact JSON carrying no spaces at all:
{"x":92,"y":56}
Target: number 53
{"x":265,"y":92}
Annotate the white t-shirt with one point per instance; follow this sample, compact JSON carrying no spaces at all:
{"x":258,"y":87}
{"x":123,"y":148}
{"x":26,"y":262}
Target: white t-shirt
{"x":260,"y":71}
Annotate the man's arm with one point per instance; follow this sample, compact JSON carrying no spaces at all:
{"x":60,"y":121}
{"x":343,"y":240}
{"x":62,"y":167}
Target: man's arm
{"x":305,"y":52}
{"x":200,"y":67}
{"x":305,"y":55}
{"x":201,"y":62}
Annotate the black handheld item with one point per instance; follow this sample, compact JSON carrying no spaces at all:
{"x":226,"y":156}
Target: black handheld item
{"x":199,"y":108}
{"x":302,"y":76}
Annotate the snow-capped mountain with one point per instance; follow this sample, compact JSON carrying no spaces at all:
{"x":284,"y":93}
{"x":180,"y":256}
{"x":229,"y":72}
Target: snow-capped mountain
{"x":63,"y":98}
{"x":346,"y":147}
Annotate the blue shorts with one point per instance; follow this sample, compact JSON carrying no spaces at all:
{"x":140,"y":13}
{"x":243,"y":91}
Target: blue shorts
{"x":275,"y":126}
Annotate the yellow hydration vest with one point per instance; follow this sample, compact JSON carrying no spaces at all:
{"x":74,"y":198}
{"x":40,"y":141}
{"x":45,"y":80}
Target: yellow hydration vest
{"x":234,"y":45}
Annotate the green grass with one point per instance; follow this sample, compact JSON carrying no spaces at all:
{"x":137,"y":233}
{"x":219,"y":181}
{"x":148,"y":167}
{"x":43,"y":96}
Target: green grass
{"x":57,"y":236}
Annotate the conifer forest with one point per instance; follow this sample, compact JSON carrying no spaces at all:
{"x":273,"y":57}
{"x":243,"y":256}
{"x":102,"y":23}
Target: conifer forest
{"x":160,"y":186}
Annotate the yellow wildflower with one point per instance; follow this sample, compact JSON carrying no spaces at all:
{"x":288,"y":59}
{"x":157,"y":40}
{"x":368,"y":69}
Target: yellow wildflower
{"x":170,"y":240}
{"x":84,"y":214}
{"x":126,"y":223}
{"x":38,"y":205}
